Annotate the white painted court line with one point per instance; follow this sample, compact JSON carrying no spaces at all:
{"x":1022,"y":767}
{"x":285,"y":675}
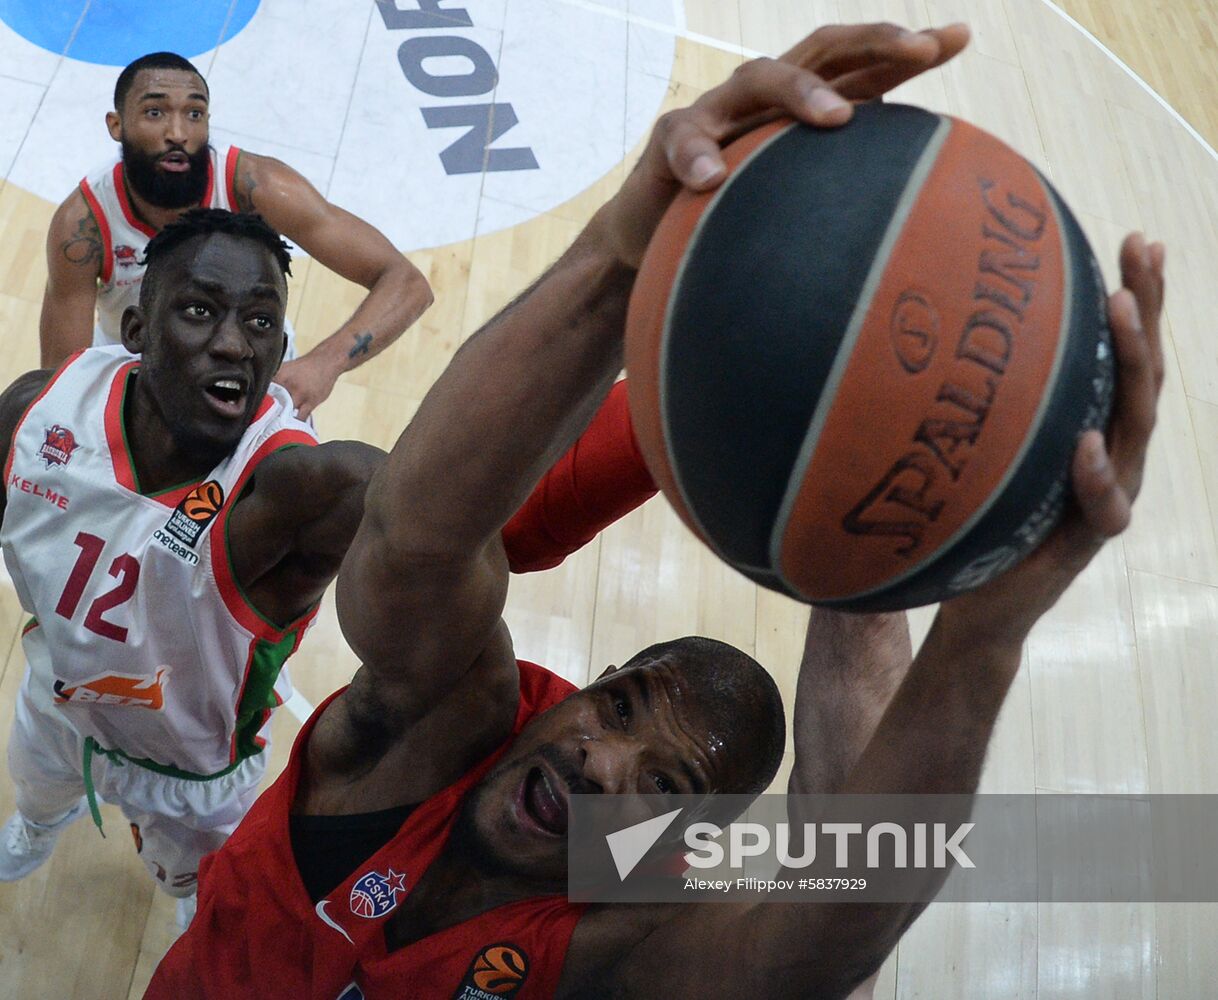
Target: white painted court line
{"x":678,"y":30}
{"x":1134,"y":76}
{"x":299,"y":706}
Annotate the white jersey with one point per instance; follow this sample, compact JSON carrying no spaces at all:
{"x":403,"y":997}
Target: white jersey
{"x":141,"y":636}
{"x":125,"y":237}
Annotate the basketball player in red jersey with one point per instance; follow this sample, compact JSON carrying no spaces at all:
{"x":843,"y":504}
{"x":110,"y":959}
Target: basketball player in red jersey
{"x":97,"y":237}
{"x":415,"y":845}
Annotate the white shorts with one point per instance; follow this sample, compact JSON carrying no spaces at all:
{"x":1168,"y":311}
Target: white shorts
{"x":174,"y":821}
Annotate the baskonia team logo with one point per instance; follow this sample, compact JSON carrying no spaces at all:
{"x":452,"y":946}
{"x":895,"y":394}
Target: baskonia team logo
{"x":58,"y":447}
{"x":374,"y":894}
{"x":497,"y":971}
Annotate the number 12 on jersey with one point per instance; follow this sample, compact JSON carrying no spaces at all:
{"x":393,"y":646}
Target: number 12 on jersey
{"x":125,"y":569}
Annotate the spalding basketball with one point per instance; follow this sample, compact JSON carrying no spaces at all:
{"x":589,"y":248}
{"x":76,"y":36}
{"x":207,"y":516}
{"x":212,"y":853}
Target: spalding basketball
{"x":860,"y":366}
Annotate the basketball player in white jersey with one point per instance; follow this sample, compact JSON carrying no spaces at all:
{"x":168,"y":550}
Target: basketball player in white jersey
{"x":167,"y":582}
{"x":97,"y":237}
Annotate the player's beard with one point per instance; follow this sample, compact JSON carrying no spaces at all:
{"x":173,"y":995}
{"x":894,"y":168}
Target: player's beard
{"x":160,"y":187}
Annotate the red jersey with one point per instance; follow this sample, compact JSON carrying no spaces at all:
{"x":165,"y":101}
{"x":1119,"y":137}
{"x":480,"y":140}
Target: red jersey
{"x":258,"y":934}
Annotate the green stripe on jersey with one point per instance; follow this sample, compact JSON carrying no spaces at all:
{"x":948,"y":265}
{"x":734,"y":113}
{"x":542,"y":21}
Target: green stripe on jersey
{"x":258,"y":699}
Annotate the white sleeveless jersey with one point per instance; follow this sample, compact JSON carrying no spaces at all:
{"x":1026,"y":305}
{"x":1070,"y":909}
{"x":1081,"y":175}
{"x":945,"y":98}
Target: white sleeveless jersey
{"x":141,"y":636}
{"x":125,"y":236}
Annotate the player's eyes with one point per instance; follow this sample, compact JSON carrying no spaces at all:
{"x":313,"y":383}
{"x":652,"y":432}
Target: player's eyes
{"x":622,"y":707}
{"x":196,"y":310}
{"x":664,"y":785}
{"x":263,"y":323}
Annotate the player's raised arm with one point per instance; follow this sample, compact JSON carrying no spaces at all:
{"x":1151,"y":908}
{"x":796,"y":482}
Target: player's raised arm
{"x":75,"y":252}
{"x":398,"y":294}
{"x":932,"y":736}
{"x":517,"y":394}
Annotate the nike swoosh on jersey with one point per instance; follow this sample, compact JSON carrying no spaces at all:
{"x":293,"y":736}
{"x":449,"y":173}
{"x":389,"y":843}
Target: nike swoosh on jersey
{"x":329,"y":921}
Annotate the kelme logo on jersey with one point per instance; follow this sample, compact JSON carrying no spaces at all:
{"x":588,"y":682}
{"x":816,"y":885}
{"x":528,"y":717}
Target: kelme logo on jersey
{"x":374,"y":894}
{"x":125,"y":256}
{"x":58,"y":447}
{"x":497,"y":971}
{"x":115,"y":689}
{"x":196,"y":511}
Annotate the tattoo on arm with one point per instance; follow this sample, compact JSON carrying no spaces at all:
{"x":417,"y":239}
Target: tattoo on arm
{"x":245,"y":192}
{"x":85,"y":246}
{"x":362,"y":342}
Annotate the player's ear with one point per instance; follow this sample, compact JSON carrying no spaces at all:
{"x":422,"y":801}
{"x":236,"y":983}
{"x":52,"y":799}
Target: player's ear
{"x":115,"y":126}
{"x":134,"y":329}
{"x":613,"y":668}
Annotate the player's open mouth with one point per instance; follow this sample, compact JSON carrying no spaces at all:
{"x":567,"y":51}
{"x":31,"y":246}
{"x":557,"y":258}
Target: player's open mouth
{"x":226,"y":396}
{"x":544,"y":802}
{"x":175,"y":162}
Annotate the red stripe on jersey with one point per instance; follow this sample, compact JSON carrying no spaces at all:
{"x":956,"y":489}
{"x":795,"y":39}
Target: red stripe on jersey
{"x":120,"y":189}
{"x":226,"y":581}
{"x":211,"y":184}
{"x":12,"y":442}
{"x":116,"y":439}
{"x":230,"y":176}
{"x":103,"y":226}
{"x":264,"y":407}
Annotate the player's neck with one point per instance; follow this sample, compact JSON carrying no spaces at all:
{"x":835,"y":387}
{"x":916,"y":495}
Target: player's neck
{"x":148,"y":213}
{"x":157,"y":458}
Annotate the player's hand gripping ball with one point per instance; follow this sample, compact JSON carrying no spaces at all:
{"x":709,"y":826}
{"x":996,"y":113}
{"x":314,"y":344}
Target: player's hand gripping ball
{"x":861,"y":364}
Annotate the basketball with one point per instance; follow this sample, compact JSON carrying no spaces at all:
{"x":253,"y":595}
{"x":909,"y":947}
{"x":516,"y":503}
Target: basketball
{"x":860,"y":366}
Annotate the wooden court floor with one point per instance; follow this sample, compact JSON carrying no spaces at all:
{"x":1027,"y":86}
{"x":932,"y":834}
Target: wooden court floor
{"x":1119,"y":685}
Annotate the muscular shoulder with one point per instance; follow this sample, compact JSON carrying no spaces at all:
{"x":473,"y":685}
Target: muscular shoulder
{"x":74,"y":235}
{"x":305,"y":478}
{"x":267,"y":186}
{"x":290,"y":528}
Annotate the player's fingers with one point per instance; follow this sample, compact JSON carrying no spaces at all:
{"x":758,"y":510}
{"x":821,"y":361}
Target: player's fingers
{"x":1138,"y":377}
{"x":767,"y":88}
{"x":835,"y":50}
{"x":688,"y":151}
{"x":1142,"y":273}
{"x":1102,"y":498}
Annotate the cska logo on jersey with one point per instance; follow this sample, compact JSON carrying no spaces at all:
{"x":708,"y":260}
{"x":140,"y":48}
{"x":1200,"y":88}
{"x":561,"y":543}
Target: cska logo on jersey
{"x":497,"y":971}
{"x":58,"y":447}
{"x":374,"y":894}
{"x":115,"y":689}
{"x":125,"y":255}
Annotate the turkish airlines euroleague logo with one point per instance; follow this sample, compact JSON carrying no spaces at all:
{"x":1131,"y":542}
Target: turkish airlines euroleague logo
{"x":196,"y":511}
{"x":498,"y":970}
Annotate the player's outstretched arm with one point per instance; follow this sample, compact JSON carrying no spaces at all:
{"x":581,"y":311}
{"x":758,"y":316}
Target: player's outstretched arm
{"x":398,"y":294}
{"x":422,"y":588}
{"x":75,"y":253}
{"x":933,"y":735}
